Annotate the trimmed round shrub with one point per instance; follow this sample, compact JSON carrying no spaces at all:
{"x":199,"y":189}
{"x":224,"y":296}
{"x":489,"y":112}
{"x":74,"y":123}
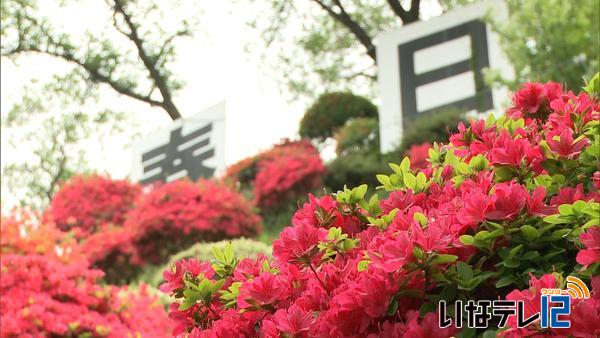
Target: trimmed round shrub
{"x":279,"y":175}
{"x":175,"y":215}
{"x":508,"y":207}
{"x":331,"y":111}
{"x":44,"y":297}
{"x":354,"y":169}
{"x":358,"y":135}
{"x":87,"y":202}
{"x":433,"y":127}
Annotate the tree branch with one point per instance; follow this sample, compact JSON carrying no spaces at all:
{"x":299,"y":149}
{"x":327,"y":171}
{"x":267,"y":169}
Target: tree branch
{"x":95,"y":75}
{"x":415,"y":10}
{"x":409,"y":16}
{"x":150,"y":64}
{"x":355,"y":28}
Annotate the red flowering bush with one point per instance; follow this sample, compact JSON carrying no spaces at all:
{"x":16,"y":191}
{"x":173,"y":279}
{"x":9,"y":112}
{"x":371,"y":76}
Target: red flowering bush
{"x":507,"y":199}
{"x":418,"y":155}
{"x":23,"y":233}
{"x":280,"y":174}
{"x":175,"y":215}
{"x":111,"y":250}
{"x":44,"y":297}
{"x":88,"y":202}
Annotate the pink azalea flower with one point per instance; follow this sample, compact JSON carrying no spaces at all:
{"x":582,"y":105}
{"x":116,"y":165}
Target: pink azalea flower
{"x":591,"y":240}
{"x":298,"y":244}
{"x":508,"y":199}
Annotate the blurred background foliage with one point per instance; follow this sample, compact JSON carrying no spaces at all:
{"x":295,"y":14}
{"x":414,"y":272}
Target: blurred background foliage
{"x":311,"y":46}
{"x":334,"y":47}
{"x":331,"y":111}
{"x":130,"y":56}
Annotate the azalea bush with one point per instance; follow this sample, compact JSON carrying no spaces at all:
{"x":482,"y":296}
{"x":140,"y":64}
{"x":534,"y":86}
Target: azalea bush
{"x":279,"y":175}
{"x":41,"y":296}
{"x":22,"y":232}
{"x":86,"y":203}
{"x":505,"y":203}
{"x":178,"y":214}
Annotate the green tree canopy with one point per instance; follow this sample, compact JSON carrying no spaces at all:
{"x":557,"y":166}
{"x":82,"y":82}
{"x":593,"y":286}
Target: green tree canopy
{"x":334,"y":47}
{"x":552,"y":40}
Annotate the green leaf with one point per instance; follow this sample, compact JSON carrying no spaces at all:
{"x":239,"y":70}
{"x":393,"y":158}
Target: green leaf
{"x":410,"y":181}
{"x":503,"y":174}
{"x":514,"y":251}
{"x":395,"y":168}
{"x":463,"y":168}
{"x":464,"y":270}
{"x":592,"y":86}
{"x":565,"y":209}
{"x":393,"y":307}
{"x":448,"y":293}
{"x":421,"y":181}
{"x":421,"y":218}
{"x":530,"y":233}
{"x":363,"y":265}
{"x":466,"y":239}
{"x":359,"y":192}
{"x":426,"y":308}
{"x":443,"y":259}
{"x":557,"y":234}
{"x":504,"y":281}
{"x":554,"y":219}
{"x":383,"y":179}
{"x":405,"y":164}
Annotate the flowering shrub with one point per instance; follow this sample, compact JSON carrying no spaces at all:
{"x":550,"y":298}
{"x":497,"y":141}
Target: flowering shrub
{"x":111,"y":249}
{"x":279,"y":175}
{"x":418,"y":155}
{"x":507,"y":200}
{"x":44,"y":297}
{"x":177,"y":214}
{"x":22,"y":233}
{"x":88,"y":202}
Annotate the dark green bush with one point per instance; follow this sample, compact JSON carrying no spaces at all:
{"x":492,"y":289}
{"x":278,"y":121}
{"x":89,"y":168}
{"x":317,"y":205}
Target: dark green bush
{"x":358,"y":135}
{"x":331,"y":111}
{"x":354,"y":169}
{"x":432,"y":127}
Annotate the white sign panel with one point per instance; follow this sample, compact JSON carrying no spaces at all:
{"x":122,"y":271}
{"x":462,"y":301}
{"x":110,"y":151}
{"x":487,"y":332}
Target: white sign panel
{"x":193,"y":147}
{"x":438,"y":64}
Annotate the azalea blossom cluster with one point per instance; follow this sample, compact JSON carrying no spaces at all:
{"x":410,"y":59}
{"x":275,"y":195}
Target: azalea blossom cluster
{"x":21,"y":232}
{"x":286,"y":171}
{"x":41,"y":296}
{"x":86,"y":203}
{"x":506,"y":202}
{"x":175,"y":215}
{"x":121,"y":226}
